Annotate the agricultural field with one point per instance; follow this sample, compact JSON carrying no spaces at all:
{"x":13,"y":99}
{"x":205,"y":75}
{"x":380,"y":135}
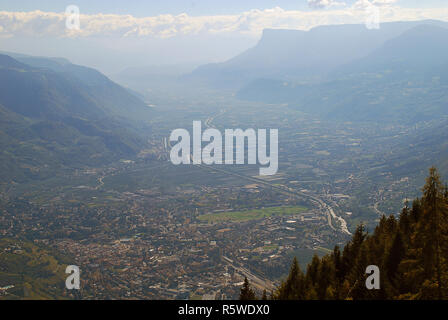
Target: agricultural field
{"x":247,"y":215}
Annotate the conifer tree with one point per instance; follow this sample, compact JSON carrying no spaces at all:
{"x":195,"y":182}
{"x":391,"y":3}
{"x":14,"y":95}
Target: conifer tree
{"x":326,"y":278}
{"x":411,"y":252}
{"x":394,"y":257}
{"x":294,"y":286}
{"x":246,"y":291}
{"x":429,"y":231}
{"x":358,"y":276}
{"x":404,"y":223}
{"x":393,"y":283}
{"x":264,"y":297}
{"x":312,"y":271}
{"x":339,"y":272}
{"x":446,"y":191}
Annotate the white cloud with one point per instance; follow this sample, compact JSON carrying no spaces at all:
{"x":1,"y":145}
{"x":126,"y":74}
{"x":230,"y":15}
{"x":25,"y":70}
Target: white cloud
{"x":50,"y":24}
{"x":321,"y":4}
{"x":363,"y":4}
{"x":383,"y":2}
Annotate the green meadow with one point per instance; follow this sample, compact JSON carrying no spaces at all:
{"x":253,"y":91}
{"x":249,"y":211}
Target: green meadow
{"x":247,"y":215}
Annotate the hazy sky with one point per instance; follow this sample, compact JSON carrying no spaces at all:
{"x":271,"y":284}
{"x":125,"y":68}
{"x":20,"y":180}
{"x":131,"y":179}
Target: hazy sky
{"x":141,"y":8}
{"x":117,"y":34}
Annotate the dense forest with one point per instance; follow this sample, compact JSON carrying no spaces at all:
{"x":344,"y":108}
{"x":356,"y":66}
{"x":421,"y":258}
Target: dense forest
{"x":411,"y":252}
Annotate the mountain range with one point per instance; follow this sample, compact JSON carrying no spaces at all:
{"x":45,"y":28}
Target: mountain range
{"x":301,"y":55}
{"x":57,"y":115}
{"x":404,"y":79}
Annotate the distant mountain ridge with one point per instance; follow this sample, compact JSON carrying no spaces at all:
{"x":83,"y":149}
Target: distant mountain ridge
{"x":405,"y":79}
{"x":57,"y":115}
{"x":301,"y":55}
{"x":119,"y":101}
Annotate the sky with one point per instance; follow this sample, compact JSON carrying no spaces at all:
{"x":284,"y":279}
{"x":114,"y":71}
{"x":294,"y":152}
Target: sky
{"x":117,"y":34}
{"x":141,"y":8}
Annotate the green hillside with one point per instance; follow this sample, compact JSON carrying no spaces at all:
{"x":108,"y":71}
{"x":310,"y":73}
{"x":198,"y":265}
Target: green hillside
{"x":30,"y":271}
{"x":54,"y":120}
